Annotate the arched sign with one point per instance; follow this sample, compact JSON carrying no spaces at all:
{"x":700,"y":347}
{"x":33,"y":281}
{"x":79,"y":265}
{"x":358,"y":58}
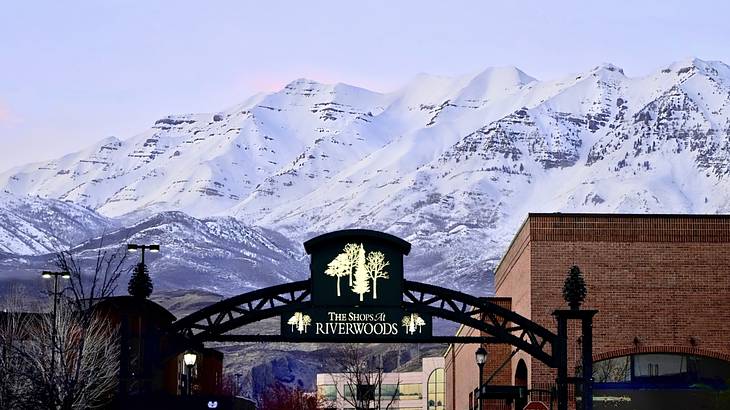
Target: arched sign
{"x":356,"y":290}
{"x":357,"y":293}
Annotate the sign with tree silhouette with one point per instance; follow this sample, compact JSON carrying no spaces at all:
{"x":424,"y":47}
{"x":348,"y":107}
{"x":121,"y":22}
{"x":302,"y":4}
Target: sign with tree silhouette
{"x":356,"y":324}
{"x":357,"y":267}
{"x":357,"y":285}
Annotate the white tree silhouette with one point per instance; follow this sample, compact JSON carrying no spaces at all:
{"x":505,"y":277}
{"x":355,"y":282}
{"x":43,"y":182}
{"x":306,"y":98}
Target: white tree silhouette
{"x":351,"y":250}
{"x":360,"y":283}
{"x":411,"y":322}
{"x":339,"y":267}
{"x":375,"y":264}
{"x":300,"y":320}
{"x":294,"y":320}
{"x":306,"y":321}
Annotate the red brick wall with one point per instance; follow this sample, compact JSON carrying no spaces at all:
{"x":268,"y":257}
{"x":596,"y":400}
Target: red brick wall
{"x":497,"y":356}
{"x":663,"y":280}
{"x":462,"y":373}
{"x":510,"y":276}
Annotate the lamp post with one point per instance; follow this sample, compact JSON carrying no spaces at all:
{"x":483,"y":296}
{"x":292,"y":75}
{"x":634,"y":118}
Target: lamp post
{"x":238,"y":384}
{"x":55,"y":275}
{"x":140,"y":283}
{"x":133,"y":247}
{"x":189,"y":358}
{"x":481,"y":358}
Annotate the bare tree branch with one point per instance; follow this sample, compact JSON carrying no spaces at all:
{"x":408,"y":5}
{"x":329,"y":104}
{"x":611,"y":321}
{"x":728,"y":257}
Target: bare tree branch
{"x":75,"y":367}
{"x":363,"y":377}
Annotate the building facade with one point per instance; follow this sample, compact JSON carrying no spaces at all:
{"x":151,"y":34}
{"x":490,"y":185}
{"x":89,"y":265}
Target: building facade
{"x":418,"y":390}
{"x":661,"y":285}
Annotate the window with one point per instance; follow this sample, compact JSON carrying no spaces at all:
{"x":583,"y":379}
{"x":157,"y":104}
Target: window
{"x":662,"y":370}
{"x":327,"y":392}
{"x":410,"y":391}
{"x":616,"y":370}
{"x":388,"y":391}
{"x":436,"y":390}
{"x":365,"y":392}
{"x":663,"y":381}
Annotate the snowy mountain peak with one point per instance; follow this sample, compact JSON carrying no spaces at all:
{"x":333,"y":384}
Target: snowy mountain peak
{"x":445,"y":162}
{"x":609,"y":67}
{"x":693,"y":65}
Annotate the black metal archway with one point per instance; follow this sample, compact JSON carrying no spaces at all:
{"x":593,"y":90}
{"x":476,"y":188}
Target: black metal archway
{"x":500,"y":325}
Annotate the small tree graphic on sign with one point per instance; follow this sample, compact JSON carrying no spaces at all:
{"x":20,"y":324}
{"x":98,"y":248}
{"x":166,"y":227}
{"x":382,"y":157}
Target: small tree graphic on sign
{"x":300,"y":321}
{"x":366,"y":266}
{"x":351,"y":250}
{"x":360,"y":282}
{"x":375,"y":264}
{"x":411,"y":322}
{"x":339,"y":267}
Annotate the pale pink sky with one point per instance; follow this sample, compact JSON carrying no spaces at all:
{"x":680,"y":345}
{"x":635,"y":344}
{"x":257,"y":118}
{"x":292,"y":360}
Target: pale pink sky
{"x":76,"y":72}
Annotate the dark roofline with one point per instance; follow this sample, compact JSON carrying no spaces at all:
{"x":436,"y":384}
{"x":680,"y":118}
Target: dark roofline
{"x":608,"y":215}
{"x":512,"y":242}
{"x":598,"y":215}
{"x":313,"y":244}
{"x":130,"y":301}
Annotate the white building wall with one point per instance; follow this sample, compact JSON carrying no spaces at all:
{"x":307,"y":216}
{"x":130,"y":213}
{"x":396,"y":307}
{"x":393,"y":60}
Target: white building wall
{"x":429,"y":364}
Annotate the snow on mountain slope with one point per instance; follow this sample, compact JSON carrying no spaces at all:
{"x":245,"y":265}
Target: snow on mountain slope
{"x":202,"y":163}
{"x":451,"y":164}
{"x":219,"y":255}
{"x":31,"y":225}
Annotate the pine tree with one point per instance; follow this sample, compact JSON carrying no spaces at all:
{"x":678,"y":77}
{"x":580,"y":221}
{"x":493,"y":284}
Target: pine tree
{"x":574,"y":288}
{"x":351,"y":250}
{"x":360,"y":283}
{"x":140,"y":284}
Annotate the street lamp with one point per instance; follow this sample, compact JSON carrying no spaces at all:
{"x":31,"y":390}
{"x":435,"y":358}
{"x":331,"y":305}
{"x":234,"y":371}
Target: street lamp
{"x":238,"y":384}
{"x":55,"y":275}
{"x":189,"y":359}
{"x":481,"y":358}
{"x":133,"y":247}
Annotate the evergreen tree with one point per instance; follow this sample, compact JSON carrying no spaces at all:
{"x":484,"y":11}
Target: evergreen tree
{"x":574,"y":288}
{"x":361,"y":283}
{"x":140,"y":284}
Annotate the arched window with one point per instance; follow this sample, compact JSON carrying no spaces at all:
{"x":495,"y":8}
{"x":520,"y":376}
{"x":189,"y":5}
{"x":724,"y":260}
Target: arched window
{"x":521,"y":380}
{"x":663,"y":380}
{"x":436,"y":390}
{"x":662,"y":370}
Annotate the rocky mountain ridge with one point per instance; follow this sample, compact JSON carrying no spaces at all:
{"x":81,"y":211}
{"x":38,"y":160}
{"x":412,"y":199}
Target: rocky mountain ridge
{"x":452,"y":165}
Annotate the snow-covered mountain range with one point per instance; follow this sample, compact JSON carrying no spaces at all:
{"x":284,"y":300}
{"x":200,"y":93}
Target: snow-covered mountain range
{"x":453,"y":165}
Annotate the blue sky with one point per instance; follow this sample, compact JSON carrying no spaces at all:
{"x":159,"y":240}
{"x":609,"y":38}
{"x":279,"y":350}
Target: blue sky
{"x":76,"y":72}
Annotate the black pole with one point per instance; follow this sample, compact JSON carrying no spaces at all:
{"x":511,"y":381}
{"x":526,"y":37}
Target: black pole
{"x":587,"y":363}
{"x":481,"y":378}
{"x":53,"y":332}
{"x":189,"y":389}
{"x":124,"y":357}
{"x":562,"y":348}
{"x":380,"y":386}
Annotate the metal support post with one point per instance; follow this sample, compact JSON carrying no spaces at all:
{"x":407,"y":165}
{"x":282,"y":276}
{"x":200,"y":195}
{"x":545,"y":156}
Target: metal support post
{"x":587,"y":328}
{"x":562,"y":347}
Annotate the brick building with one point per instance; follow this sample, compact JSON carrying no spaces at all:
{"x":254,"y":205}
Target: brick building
{"x":661,"y":284}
